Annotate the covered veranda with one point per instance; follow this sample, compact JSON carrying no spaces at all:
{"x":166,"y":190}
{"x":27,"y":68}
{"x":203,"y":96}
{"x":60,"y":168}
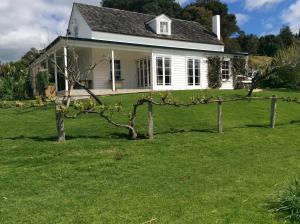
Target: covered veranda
{"x":132,"y":71}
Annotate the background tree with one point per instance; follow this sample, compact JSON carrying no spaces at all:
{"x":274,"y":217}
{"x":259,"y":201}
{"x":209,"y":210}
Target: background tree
{"x":14,"y":81}
{"x":228,"y":21}
{"x":154,"y":7}
{"x":30,"y":56}
{"x":198,"y":14}
{"x":286,"y":37}
{"x":232,"y":45}
{"x":248,"y":42}
{"x":268,"y":45}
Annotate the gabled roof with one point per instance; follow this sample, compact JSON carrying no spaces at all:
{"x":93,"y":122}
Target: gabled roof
{"x":159,"y":17}
{"x":117,"y":21}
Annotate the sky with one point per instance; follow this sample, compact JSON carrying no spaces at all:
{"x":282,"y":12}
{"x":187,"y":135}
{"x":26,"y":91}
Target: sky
{"x":35,"y":23}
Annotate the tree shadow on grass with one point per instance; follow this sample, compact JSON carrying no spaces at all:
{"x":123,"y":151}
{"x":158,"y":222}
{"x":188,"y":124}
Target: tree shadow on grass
{"x":176,"y":131}
{"x":142,"y":136}
{"x":295,"y":122}
{"x":297,"y":90}
{"x":49,"y":138}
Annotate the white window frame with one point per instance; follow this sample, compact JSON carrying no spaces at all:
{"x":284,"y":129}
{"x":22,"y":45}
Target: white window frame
{"x":194,"y":71}
{"x":164,"y":70}
{"x":225,"y":69}
{"x":164,"y":27}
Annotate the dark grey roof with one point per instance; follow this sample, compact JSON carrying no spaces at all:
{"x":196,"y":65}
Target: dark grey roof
{"x":131,"y":23}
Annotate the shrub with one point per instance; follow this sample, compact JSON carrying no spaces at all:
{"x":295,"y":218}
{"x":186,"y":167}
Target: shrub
{"x":238,"y":71}
{"x":288,"y":203}
{"x":214,"y":72}
{"x":14,"y":79}
{"x":284,"y":77}
{"x":43,"y":80}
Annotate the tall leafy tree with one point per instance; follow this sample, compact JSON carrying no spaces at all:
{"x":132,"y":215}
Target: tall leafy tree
{"x":228,"y":21}
{"x":269,"y":45}
{"x":286,"y":37}
{"x":198,"y":14}
{"x":155,"y":7}
{"x":248,"y":42}
{"x":31,"y":55}
{"x":232,"y":45}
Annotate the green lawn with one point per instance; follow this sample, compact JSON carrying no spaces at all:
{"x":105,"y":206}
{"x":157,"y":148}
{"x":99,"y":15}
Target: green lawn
{"x":188,"y":174}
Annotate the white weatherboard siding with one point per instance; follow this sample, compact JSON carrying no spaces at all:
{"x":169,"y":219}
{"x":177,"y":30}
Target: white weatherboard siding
{"x":121,"y":38}
{"x":179,"y":79}
{"x":78,"y":22}
{"x":204,"y":73}
{"x":84,"y":61}
{"x":128,"y":68}
{"x":179,"y":71}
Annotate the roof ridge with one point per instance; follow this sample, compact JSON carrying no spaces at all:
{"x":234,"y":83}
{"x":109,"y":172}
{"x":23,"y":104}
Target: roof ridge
{"x":76,"y":3}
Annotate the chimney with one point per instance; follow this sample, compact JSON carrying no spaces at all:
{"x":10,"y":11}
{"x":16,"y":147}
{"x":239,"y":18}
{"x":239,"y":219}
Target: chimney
{"x":216,"y":25}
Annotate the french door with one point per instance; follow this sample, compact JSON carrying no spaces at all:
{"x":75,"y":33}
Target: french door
{"x":144,"y":72}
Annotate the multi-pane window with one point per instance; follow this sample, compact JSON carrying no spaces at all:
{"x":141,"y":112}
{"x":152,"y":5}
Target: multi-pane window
{"x":163,"y":71}
{"x":117,"y":70}
{"x":193,"y":72}
{"x":164,"y":27}
{"x":225,"y":70}
{"x":144,"y":72}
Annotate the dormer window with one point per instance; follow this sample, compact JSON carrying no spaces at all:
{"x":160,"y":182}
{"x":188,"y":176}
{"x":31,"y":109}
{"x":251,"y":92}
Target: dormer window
{"x":161,"y":25}
{"x":164,"y":28}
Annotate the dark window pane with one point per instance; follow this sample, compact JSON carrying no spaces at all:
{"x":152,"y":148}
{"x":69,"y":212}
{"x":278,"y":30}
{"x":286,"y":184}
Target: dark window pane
{"x":167,"y":62}
{"x":168,"y":80}
{"x":159,"y":71}
{"x":190,"y":64}
{"x":197,"y":80}
{"x":191,"y":81}
{"x":167,"y":71}
{"x":159,"y":62}
{"x":159,"y":80}
{"x":197,"y":64}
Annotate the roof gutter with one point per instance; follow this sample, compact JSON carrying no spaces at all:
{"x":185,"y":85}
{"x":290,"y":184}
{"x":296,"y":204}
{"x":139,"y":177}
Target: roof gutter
{"x":63,"y":38}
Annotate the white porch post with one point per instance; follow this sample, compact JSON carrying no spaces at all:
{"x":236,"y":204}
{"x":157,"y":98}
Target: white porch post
{"x":148,"y":71}
{"x":55,"y":72}
{"x":113,"y":76}
{"x":66,"y":68}
{"x":153,"y":70}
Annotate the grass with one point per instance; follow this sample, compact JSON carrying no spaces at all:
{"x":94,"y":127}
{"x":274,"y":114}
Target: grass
{"x":188,"y":174}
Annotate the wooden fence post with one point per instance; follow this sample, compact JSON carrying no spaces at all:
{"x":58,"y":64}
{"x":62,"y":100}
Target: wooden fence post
{"x":60,"y":125}
{"x":150,"y":121}
{"x":220,"y":116}
{"x":273,"y":111}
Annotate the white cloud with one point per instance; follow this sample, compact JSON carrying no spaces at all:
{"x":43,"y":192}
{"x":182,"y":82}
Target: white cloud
{"x":241,"y":18}
{"x":25,"y":24}
{"x":258,"y":4}
{"x":291,"y":16}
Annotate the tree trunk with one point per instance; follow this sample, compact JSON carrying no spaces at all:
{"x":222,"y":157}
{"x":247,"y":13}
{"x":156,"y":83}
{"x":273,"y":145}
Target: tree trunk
{"x":250,"y":93}
{"x":60,"y":125}
{"x":220,"y":116}
{"x":150,"y":121}
{"x":273,"y":112}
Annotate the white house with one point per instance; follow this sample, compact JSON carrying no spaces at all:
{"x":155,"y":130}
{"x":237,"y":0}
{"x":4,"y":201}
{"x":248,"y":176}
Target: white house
{"x":149,"y":53}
